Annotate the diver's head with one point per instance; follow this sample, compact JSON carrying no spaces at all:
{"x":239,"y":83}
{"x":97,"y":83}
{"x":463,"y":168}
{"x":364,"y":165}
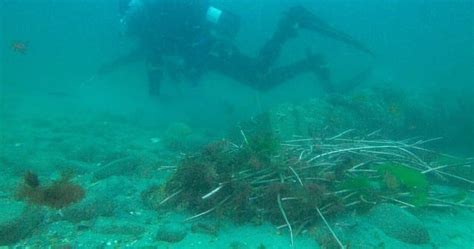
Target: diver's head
{"x":225,"y":22}
{"x":124,"y":6}
{"x":213,"y":15}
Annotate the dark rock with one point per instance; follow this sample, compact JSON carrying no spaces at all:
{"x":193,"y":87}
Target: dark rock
{"x":118,"y":227}
{"x":399,"y":224}
{"x":238,"y":245}
{"x":171,"y":233}
{"x":209,"y":228}
{"x":114,"y":187}
{"x":84,"y":225}
{"x":152,"y":197}
{"x":18,"y":222}
{"x":122,"y":166}
{"x":132,"y":230}
{"x":89,"y":209}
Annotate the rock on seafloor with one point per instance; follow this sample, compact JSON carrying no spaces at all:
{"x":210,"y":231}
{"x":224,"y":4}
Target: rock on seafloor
{"x":18,"y":221}
{"x":399,"y":224}
{"x":89,"y":209}
{"x":171,"y":233}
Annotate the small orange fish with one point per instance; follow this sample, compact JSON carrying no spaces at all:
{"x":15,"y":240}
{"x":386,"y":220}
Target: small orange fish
{"x":20,"y":47}
{"x":394,"y":109}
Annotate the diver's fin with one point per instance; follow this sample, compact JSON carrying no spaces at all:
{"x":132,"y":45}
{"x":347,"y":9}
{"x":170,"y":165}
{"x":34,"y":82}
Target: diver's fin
{"x":307,"y":20}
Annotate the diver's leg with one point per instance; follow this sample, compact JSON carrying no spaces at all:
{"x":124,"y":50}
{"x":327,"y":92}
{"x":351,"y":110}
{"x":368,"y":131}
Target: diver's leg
{"x":303,"y":18}
{"x":234,"y":64}
{"x":245,"y":70}
{"x":299,"y":17}
{"x":155,"y":72}
{"x":312,"y":64}
{"x":271,"y":50}
{"x":155,"y":76}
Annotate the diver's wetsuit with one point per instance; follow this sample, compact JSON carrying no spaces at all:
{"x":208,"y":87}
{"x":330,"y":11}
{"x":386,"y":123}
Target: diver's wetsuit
{"x":181,"y":28}
{"x":169,"y":28}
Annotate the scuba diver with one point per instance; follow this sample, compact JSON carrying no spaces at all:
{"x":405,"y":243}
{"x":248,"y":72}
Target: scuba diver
{"x":187,"y":38}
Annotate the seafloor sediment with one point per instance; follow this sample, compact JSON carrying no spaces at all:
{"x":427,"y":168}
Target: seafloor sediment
{"x":122,"y":167}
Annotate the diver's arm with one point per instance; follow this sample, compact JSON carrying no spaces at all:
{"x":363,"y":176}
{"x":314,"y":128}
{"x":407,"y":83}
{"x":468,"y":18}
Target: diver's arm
{"x":131,"y":57}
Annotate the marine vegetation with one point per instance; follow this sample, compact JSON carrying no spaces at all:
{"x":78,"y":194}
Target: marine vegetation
{"x":298,"y":183}
{"x":58,"y":194}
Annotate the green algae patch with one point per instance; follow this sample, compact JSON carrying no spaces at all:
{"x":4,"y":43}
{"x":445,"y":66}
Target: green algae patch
{"x":397,"y":177}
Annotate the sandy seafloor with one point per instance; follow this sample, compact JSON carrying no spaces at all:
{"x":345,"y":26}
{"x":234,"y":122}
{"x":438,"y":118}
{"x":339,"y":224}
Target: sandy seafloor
{"x":113,"y":215}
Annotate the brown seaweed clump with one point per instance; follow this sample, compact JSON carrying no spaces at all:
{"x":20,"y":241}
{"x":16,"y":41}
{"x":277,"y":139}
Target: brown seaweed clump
{"x":58,"y":194}
{"x":302,"y":181}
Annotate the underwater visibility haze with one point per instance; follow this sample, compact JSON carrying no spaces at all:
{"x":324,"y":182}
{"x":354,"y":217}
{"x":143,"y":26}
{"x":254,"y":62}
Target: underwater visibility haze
{"x":237,"y":124}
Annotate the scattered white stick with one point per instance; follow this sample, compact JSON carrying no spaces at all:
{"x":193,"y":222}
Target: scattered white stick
{"x":207,"y":211}
{"x":170,"y":197}
{"x":212,"y":192}
{"x":297,"y":176}
{"x":245,"y":137}
{"x":330,"y":229}
{"x":286,"y":219}
{"x":401,"y":202}
{"x":341,"y":134}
